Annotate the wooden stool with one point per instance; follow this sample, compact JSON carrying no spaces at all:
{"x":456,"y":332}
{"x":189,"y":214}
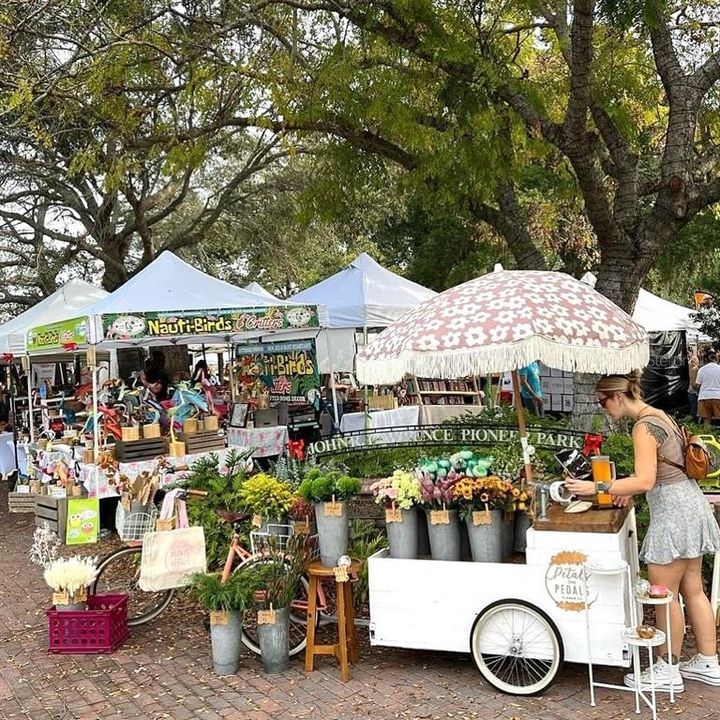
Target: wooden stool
{"x":345,"y":650}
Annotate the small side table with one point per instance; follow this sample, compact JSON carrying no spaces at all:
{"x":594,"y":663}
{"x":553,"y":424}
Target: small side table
{"x":657,"y":602}
{"x":636,"y":643}
{"x":346,"y":648}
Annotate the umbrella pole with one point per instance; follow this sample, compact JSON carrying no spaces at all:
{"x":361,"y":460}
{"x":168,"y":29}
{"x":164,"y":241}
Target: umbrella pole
{"x":522,"y":426}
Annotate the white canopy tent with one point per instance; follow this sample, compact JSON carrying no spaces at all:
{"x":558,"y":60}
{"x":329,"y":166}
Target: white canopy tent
{"x":66,"y":302}
{"x":364,"y":295}
{"x":171,"y":287}
{"x":658,"y":315}
{"x":258,"y":289}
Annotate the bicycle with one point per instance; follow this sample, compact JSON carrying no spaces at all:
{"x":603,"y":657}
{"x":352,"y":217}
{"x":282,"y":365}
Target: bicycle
{"x":119,"y":572}
{"x":260,"y":543}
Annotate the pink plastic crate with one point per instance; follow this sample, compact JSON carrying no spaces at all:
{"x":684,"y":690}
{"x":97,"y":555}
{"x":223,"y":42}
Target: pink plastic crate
{"x":99,"y":629}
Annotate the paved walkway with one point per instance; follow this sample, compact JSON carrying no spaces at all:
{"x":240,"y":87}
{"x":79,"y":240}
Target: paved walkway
{"x":164,"y":671}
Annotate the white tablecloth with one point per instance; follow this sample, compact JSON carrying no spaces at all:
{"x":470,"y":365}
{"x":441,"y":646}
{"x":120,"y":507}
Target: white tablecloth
{"x":407,"y":415}
{"x":7,"y":453}
{"x":437,"y":414}
{"x":104,"y":489}
{"x":267,"y":441}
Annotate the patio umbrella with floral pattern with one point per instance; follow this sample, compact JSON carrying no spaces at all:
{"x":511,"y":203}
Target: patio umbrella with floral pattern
{"x":503,"y":321}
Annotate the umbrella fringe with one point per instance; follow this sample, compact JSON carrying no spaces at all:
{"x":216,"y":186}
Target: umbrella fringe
{"x":448,"y":364}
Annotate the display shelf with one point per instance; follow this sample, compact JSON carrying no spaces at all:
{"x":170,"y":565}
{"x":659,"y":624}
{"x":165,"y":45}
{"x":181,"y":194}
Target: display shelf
{"x":433,"y":390}
{"x":647,"y":600}
{"x":633,"y":638}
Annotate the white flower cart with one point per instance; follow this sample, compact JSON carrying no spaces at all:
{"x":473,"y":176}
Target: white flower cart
{"x":520,"y":621}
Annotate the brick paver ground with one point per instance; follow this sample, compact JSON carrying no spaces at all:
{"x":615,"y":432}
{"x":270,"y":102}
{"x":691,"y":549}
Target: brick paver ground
{"x":164,"y":671}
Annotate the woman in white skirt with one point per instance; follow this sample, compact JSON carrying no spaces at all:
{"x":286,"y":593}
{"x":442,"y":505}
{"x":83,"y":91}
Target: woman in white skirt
{"x":682,"y":528}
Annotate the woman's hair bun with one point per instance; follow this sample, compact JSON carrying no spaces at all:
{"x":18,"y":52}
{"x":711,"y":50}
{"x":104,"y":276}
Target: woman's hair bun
{"x":634,"y":377}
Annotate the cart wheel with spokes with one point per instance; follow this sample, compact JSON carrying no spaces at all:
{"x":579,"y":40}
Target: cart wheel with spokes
{"x":516,"y":647}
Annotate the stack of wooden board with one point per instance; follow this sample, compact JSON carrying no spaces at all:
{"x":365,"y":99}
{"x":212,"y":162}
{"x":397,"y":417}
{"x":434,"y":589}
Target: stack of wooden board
{"x":21,"y":502}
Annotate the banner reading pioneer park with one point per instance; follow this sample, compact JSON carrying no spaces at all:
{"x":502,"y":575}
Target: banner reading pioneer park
{"x":168,"y":324}
{"x":286,"y":371}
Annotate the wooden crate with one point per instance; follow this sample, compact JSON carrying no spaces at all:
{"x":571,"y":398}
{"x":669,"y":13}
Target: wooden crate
{"x":21,"y":502}
{"x":204,"y":441}
{"x":136,"y":450}
{"x":53,"y":511}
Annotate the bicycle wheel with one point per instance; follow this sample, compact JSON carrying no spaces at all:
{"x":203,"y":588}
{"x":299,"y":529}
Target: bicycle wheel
{"x":517,"y":648}
{"x":119,"y":572}
{"x":298,"y":616}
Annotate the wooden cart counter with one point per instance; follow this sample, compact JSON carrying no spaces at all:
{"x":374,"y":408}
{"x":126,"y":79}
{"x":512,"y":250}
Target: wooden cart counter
{"x":592,"y":521}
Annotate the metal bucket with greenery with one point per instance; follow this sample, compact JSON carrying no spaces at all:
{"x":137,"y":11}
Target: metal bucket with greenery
{"x":226,"y":602}
{"x":328,"y":490}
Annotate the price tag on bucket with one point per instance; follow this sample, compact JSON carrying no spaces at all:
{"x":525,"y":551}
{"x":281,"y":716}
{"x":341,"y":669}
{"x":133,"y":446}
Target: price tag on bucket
{"x":60,"y":598}
{"x":301,"y":527}
{"x":439,"y":517}
{"x":482,"y":517}
{"x":219,"y":617}
{"x":393,"y":515}
{"x":266,"y":617}
{"x":333,"y":509}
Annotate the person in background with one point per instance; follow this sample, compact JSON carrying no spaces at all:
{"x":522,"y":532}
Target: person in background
{"x":531,"y":389}
{"x":708,"y":382}
{"x":682,"y":529}
{"x":201,"y":374}
{"x":154,"y":377}
{"x":692,"y":395}
{"x":340,"y":397}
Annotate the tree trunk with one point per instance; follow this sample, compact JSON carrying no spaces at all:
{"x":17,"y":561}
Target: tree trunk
{"x":619,"y":279}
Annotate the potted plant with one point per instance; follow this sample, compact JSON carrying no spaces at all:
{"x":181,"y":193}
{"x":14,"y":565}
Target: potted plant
{"x":482,"y":503}
{"x":329,"y":490}
{"x":226,"y":602}
{"x":70,"y":579}
{"x":302,"y":516}
{"x":400,"y":495}
{"x":436,"y":493}
{"x":267,"y":498}
{"x":276,"y":582}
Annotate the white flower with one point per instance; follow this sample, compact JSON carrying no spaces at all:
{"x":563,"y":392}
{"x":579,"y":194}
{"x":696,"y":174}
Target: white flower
{"x":475,"y":336}
{"x":71,"y":574}
{"x":428,"y":342}
{"x":498,"y":333}
{"x":451,"y":339}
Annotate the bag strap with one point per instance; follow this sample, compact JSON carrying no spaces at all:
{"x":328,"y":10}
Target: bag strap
{"x":681,"y":436}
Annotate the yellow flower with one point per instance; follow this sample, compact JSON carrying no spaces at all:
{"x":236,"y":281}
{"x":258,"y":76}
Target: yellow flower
{"x":521,"y":506}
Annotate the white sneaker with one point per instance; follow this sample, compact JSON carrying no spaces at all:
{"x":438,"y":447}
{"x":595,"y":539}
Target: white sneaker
{"x":663,"y":678}
{"x":705,"y":671}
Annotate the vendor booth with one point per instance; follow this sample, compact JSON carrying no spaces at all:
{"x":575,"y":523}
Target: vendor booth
{"x":361,"y":299}
{"x":168,"y":303}
{"x":672,"y":330}
{"x":51,"y":372}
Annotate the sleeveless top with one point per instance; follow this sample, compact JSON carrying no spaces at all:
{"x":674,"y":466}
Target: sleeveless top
{"x":669,"y":446}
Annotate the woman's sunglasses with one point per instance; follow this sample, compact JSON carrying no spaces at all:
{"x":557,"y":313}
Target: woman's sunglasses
{"x":603,"y":401}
